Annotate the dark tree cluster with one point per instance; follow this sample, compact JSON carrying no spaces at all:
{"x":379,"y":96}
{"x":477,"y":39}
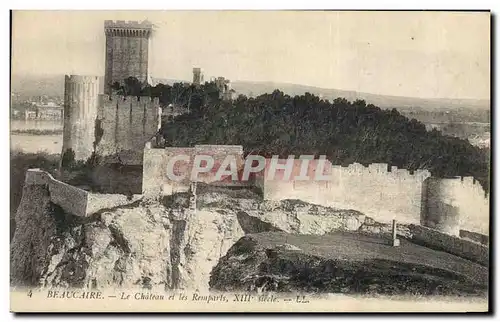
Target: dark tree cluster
{"x":179,"y":94}
{"x":346,"y":132}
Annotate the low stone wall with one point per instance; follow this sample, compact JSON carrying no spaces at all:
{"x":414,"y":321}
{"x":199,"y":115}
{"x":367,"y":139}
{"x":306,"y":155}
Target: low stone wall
{"x":73,"y":200}
{"x":477,"y":237}
{"x":454,"y":245}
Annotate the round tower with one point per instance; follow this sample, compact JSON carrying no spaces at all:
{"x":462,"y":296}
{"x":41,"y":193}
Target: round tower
{"x":80,"y":112}
{"x":441,"y":205}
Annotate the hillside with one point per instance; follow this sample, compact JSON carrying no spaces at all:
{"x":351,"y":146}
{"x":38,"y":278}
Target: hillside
{"x":467,"y":110}
{"x":249,"y":88}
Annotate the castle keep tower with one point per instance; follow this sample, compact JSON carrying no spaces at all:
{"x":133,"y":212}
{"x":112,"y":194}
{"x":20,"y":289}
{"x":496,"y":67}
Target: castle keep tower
{"x":80,"y":112}
{"x":127,"y":50}
{"x":224,"y":87}
{"x":198,"y":77}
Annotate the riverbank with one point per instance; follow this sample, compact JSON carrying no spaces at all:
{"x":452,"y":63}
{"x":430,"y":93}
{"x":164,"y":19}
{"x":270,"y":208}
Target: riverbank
{"x":37,"y":131}
{"x":27,"y":143}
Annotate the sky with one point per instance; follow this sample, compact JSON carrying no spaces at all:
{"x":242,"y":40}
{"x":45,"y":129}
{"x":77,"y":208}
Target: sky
{"x":416,"y":54}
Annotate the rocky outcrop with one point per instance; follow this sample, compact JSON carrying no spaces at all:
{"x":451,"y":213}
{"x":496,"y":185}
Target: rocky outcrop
{"x":154,"y":243}
{"x":295,"y":216}
{"x":148,"y":244}
{"x":35,"y":227}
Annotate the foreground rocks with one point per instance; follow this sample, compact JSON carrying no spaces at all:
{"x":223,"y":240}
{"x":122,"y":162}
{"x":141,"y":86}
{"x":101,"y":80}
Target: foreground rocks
{"x":166,"y":244}
{"x":146,"y":244}
{"x":151,"y":243}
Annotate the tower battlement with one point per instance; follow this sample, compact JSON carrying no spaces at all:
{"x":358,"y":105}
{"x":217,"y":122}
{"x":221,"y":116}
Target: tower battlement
{"x":128,"y":29}
{"x":128,"y":24}
{"x":81,"y":79}
{"x":382,"y":169}
{"x":108,"y":99}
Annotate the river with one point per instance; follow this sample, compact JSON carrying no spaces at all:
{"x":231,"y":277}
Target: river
{"x":23,"y":125}
{"x":36,"y":143}
{"x":29,"y":143}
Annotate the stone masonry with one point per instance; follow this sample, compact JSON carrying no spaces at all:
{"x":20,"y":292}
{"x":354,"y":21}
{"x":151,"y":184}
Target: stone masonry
{"x":127,"y":50}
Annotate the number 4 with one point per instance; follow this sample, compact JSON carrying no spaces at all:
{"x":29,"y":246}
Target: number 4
{"x":30,"y":293}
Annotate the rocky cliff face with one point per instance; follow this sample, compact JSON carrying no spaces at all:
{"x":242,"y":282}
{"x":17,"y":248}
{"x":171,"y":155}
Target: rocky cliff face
{"x":152,"y":243}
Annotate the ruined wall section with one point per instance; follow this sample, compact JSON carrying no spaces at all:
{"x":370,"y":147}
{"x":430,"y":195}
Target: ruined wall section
{"x":73,"y":200}
{"x":80,"y":111}
{"x":156,"y":182}
{"x":219,"y":154}
{"x":379,"y":192}
{"x":458,"y":203}
{"x":126,"y":124}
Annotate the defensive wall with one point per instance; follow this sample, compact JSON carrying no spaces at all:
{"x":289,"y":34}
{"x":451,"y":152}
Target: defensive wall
{"x":381,"y":192}
{"x":384,"y":193}
{"x":79,"y":202}
{"x":124,"y":125}
{"x":73,"y":200}
{"x":120,"y":128}
{"x":113,"y":126}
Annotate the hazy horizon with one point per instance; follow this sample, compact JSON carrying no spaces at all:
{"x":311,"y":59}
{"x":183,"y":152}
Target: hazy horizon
{"x":428,"y":55}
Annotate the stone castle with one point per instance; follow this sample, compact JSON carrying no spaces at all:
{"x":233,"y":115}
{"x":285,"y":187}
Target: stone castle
{"x":123,"y":130}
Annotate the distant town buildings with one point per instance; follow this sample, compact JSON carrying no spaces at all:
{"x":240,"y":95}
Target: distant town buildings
{"x":37,"y":108}
{"x":43,"y":114}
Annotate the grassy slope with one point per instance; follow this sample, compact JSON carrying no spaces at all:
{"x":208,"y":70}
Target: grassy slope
{"x":345,"y":263}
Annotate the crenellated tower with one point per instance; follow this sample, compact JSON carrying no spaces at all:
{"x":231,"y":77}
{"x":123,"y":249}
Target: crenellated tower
{"x":80,"y":112}
{"x":198,"y":77}
{"x":127,"y":50}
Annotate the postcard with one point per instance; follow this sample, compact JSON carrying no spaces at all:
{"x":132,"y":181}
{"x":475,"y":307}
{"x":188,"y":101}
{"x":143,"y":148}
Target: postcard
{"x":250,"y":161}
